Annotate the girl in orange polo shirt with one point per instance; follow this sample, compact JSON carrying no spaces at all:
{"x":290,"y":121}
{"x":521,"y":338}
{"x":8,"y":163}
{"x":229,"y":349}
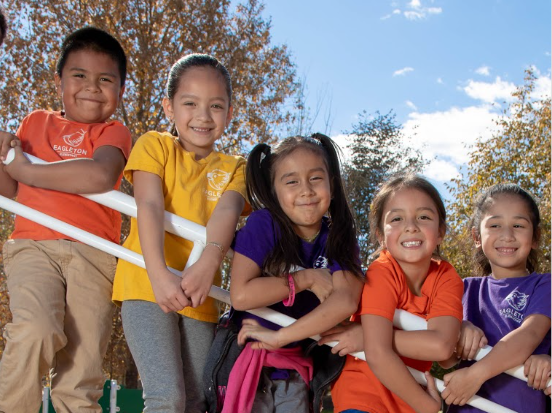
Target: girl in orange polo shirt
{"x":407,"y":219}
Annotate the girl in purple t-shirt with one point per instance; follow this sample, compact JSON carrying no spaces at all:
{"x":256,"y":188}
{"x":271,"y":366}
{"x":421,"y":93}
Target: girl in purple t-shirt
{"x":508,"y":308}
{"x":302,"y":219}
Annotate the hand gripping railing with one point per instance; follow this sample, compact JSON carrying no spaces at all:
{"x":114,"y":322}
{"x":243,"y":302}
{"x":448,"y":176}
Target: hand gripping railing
{"x":196,"y":233}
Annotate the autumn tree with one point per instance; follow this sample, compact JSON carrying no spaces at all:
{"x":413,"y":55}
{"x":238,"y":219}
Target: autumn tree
{"x":518,"y":152}
{"x":154,"y":34}
{"x":378,"y":149}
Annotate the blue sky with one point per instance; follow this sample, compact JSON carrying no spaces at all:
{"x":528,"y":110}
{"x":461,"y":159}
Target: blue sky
{"x":444,"y":67}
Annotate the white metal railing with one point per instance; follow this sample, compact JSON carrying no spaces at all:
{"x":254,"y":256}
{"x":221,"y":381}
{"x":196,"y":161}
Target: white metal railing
{"x":197,"y":234}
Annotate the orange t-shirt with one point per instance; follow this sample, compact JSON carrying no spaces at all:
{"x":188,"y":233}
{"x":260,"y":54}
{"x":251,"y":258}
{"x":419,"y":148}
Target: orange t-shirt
{"x":386,"y":290}
{"x":50,"y":137}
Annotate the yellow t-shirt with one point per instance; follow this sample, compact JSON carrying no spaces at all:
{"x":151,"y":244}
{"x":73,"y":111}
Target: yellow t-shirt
{"x":191,"y":189}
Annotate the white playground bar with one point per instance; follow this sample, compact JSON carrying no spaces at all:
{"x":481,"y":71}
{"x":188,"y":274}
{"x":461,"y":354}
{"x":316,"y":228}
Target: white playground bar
{"x":197,"y":234}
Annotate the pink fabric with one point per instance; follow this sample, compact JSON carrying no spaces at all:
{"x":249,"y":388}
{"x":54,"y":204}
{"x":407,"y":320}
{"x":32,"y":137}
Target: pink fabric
{"x":245,"y":375}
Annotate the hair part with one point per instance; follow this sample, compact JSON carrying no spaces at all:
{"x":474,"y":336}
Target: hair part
{"x":397,"y":182}
{"x":481,"y":264}
{"x":190,"y":61}
{"x":341,"y":246}
{"x":96,"y":40}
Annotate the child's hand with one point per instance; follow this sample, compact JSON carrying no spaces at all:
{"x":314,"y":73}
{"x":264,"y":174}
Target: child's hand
{"x":472,"y":339}
{"x":348,"y":335}
{"x":320,"y":282}
{"x":431,"y":389}
{"x":266,"y":339}
{"x":198,"y":279}
{"x":167,"y":291}
{"x":461,"y":386}
{"x":7,"y":141}
{"x":537,"y":371}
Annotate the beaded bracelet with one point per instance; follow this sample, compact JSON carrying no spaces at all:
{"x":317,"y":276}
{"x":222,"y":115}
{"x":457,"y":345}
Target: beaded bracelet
{"x":288,"y":302}
{"x":216,"y":244}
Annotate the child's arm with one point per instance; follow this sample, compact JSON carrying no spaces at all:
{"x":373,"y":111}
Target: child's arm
{"x":537,"y":371}
{"x":511,"y":351}
{"x":249,"y":290}
{"x":151,"y":210}
{"x":8,"y":185}
{"x":198,"y":278}
{"x":341,"y":303}
{"x":76,"y":176}
{"x":390,"y":369}
{"x":472,"y":339}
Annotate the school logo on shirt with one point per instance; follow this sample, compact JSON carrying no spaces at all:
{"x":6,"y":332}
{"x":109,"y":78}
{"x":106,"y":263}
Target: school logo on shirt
{"x":517,"y":301}
{"x":321,"y":262}
{"x":72,"y":143}
{"x":218,"y":179}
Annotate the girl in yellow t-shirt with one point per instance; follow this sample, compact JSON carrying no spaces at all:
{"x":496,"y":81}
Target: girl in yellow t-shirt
{"x":169,"y":321}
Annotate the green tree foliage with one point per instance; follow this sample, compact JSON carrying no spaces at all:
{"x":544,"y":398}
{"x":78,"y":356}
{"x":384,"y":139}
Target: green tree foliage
{"x":519,"y":152}
{"x":379,"y":149}
{"x":154,"y":34}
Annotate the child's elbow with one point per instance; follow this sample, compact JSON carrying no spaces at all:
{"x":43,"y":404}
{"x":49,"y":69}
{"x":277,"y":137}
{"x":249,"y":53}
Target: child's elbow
{"x":239,"y":301}
{"x":444,"y":348}
{"x":374,"y":356}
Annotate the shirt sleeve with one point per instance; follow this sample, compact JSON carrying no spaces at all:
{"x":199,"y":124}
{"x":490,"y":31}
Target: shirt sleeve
{"x":447,"y":299}
{"x":380,"y":295}
{"x":117,"y":135}
{"x":256,"y":239}
{"x":148,"y":155}
{"x":237,"y":183}
{"x":539,"y":303}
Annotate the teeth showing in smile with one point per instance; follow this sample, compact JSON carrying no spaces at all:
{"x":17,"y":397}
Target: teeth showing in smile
{"x":409,"y":244}
{"x":504,"y":250}
{"x":201,"y":129}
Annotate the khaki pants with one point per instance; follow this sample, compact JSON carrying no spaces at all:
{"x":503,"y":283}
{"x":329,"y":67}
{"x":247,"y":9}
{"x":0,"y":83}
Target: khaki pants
{"x":60,"y":299}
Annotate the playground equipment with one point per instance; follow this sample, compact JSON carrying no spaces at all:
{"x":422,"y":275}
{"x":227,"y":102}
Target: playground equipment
{"x":197,"y":234}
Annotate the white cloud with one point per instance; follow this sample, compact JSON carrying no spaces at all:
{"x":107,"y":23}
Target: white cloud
{"x":413,"y":15}
{"x":415,"y":11}
{"x":403,"y":71}
{"x":342,"y":141}
{"x":490,"y":92}
{"x":543,"y":87}
{"x":411,"y":105}
{"x":441,"y":170}
{"x":440,"y":81}
{"x":444,"y":137}
{"x":434,"y":10}
{"x":483,"y":70}
{"x":415,"y":4}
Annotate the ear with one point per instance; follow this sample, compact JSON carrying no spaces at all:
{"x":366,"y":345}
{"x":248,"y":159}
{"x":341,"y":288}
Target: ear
{"x":476,"y":237}
{"x":121,"y":92}
{"x":168,"y":109}
{"x":57,"y":82}
{"x":536,"y":240}
{"x":380,"y":238}
{"x":229,"y":115}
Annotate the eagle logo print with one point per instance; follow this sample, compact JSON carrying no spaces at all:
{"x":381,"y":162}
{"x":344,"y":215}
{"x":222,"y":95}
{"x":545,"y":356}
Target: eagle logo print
{"x":74,"y":139}
{"x":517,"y":300}
{"x":218,"y":179}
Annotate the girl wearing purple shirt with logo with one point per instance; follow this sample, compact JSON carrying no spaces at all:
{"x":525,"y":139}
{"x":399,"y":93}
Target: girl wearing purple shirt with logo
{"x":302,"y":219}
{"x":508,"y":308}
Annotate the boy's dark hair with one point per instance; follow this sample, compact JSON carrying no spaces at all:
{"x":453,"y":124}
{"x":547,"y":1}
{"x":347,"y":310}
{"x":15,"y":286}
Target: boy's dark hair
{"x":3,"y":26}
{"x":94,"y":39}
{"x":187,"y":62}
{"x":341,"y":246}
{"x":397,"y":182}
{"x":481,"y":264}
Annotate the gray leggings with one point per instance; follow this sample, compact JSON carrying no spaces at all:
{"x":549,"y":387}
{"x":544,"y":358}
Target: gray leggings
{"x":170,"y":352}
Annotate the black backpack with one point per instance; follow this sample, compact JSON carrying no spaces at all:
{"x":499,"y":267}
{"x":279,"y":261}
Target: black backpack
{"x":220,"y":360}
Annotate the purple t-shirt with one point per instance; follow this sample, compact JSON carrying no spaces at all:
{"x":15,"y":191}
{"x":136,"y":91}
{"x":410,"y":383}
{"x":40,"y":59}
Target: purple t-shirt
{"x":260,"y":236}
{"x":499,"y":307}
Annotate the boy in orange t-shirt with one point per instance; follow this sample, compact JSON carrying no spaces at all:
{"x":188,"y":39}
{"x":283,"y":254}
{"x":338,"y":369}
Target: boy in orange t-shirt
{"x":60,"y":289}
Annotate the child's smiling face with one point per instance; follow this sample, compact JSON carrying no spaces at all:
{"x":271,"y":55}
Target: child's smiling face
{"x":89,"y":86}
{"x":411,"y":229}
{"x":506,"y":236}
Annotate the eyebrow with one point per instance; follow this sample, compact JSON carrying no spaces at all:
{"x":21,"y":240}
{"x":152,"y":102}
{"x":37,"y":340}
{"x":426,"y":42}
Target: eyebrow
{"x":417,"y":209}
{"x":320,"y":169}
{"x":80,"y":69}
{"x":515,"y":217}
{"x":189,"y":96}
